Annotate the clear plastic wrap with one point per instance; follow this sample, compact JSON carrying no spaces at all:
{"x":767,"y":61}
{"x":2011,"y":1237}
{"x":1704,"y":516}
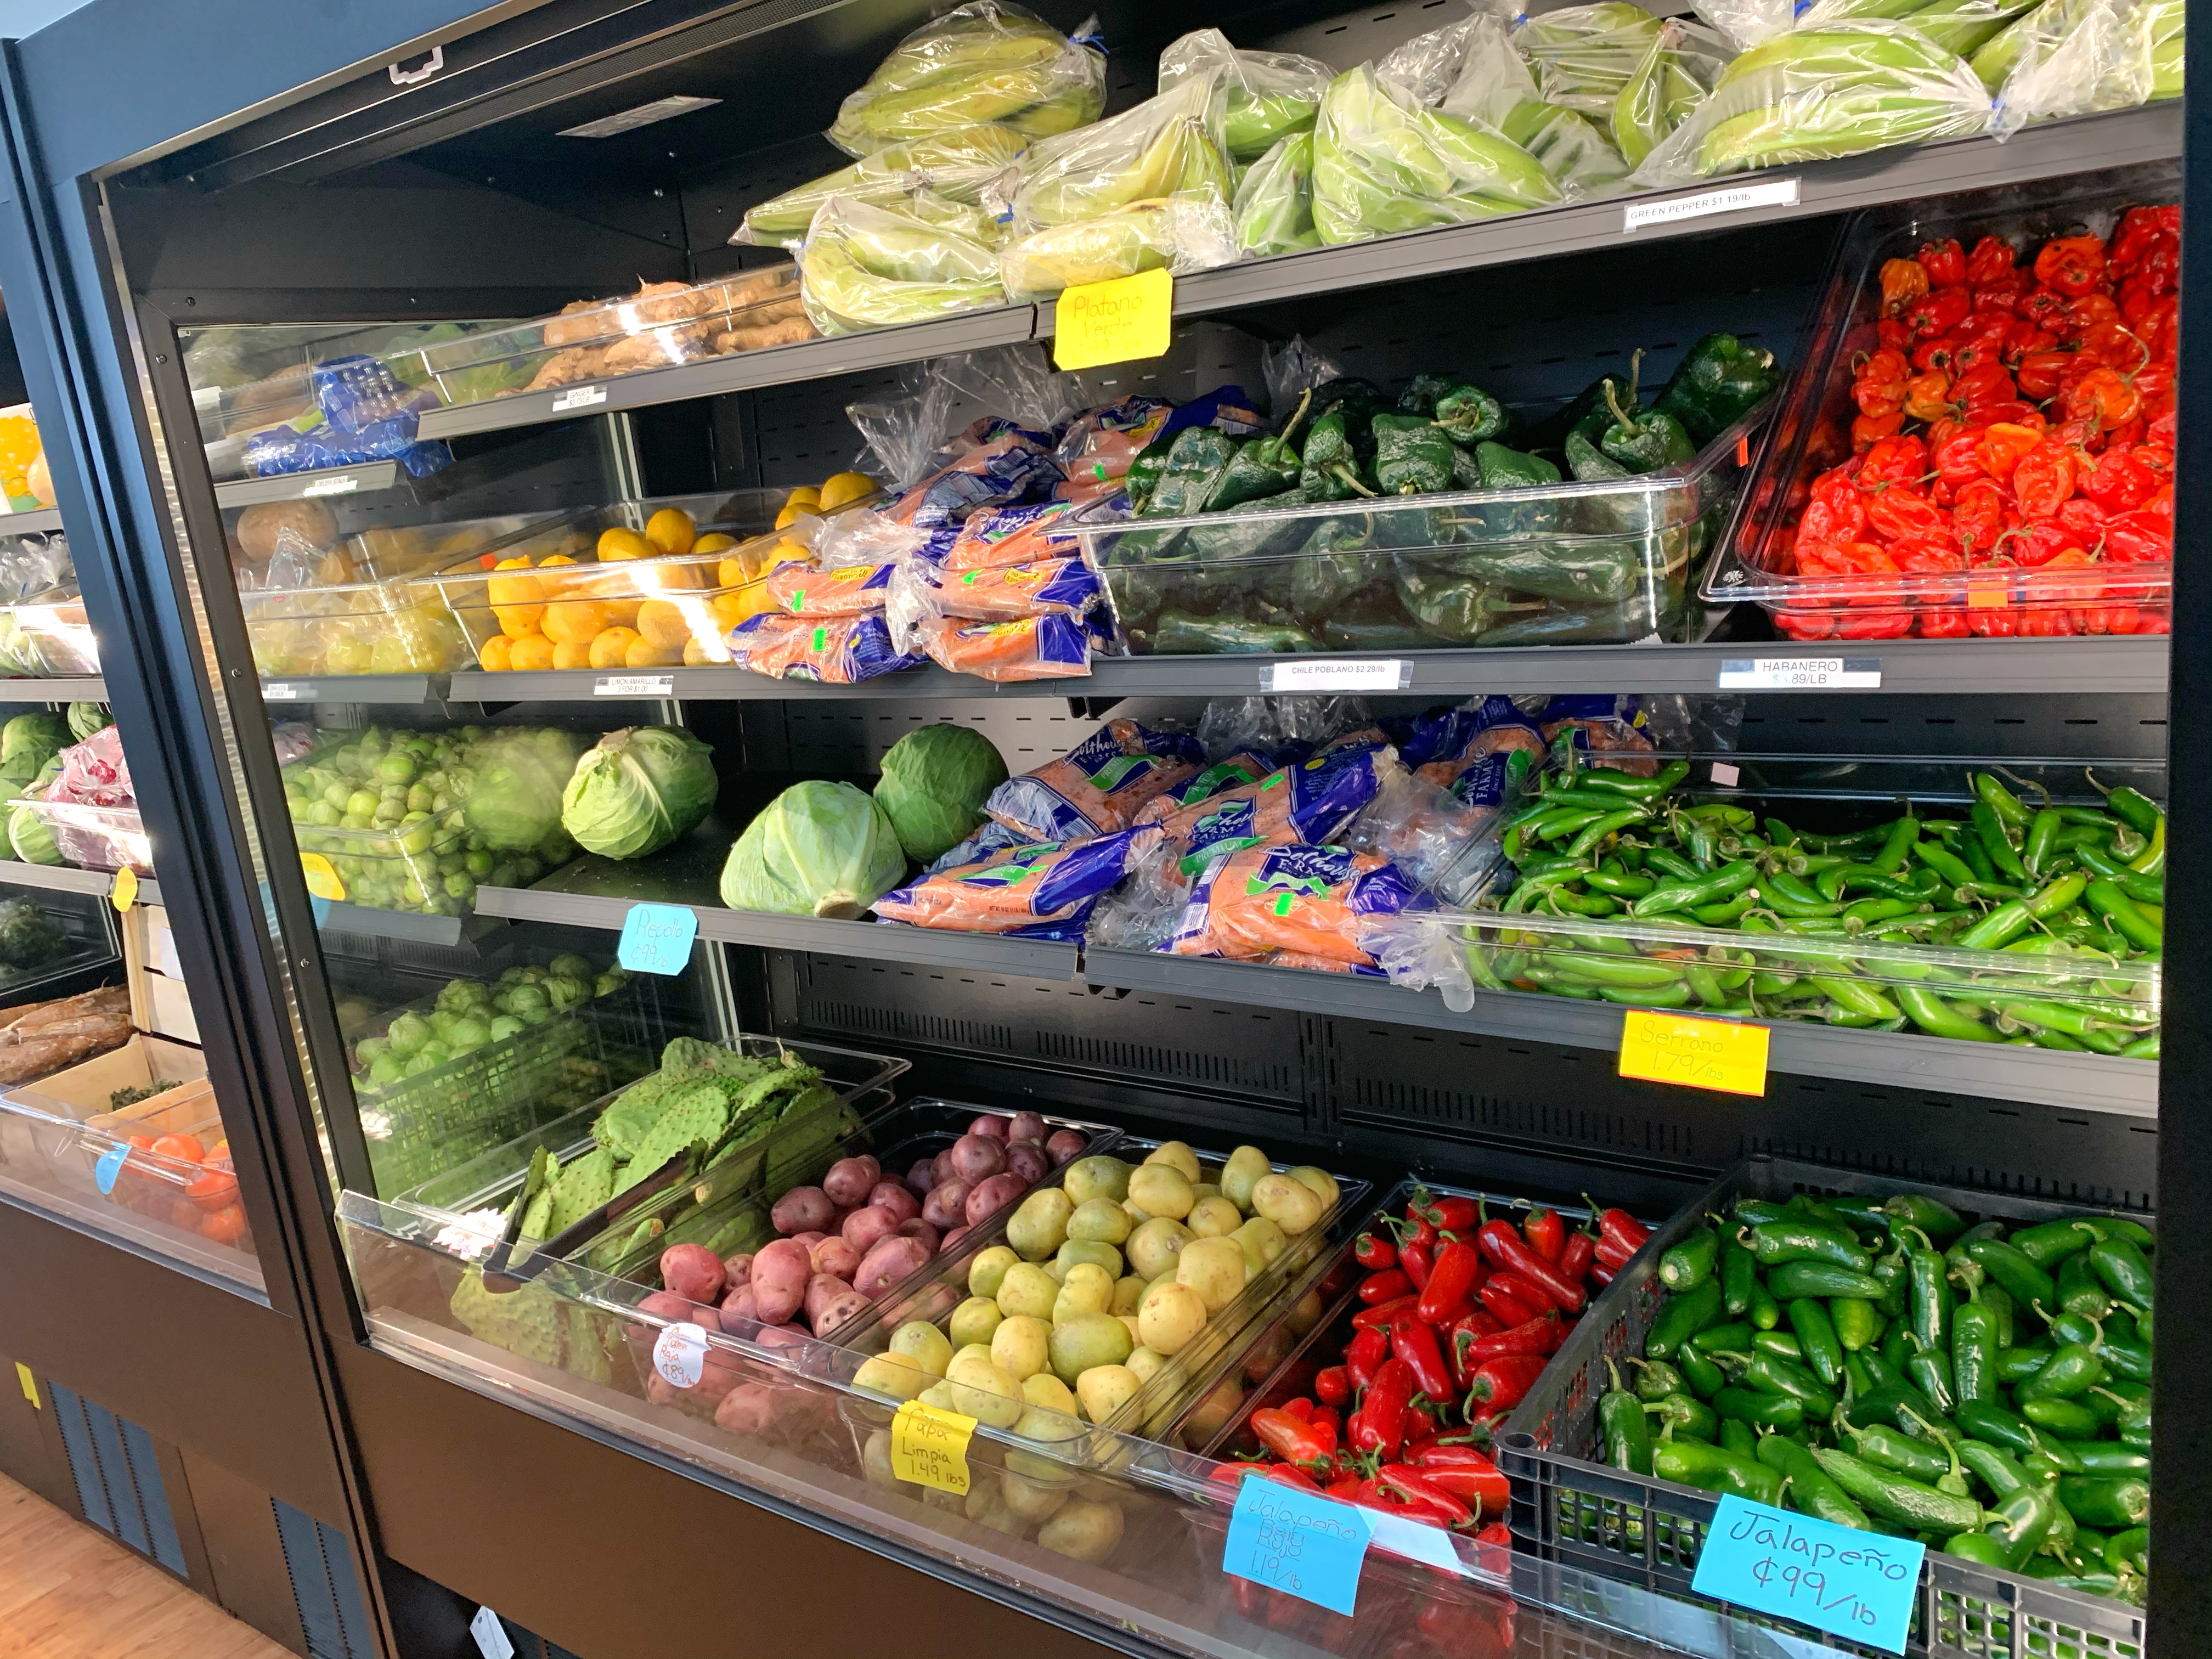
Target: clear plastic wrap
{"x":1496,"y":90}
{"x":985,"y":61}
{"x":864,"y":266}
{"x":958,"y":165}
{"x":1001,"y":623}
{"x":1166,"y":146}
{"x":1816,"y":94}
{"x":1274,"y":212}
{"x":1181,"y":233}
{"x":2165,"y":21}
{"x":1429,"y":65}
{"x":1585,"y":56}
{"x":1383,"y":164}
{"x":2077,"y":57}
{"x":1271,"y":94}
{"x":1745,"y":23}
{"x":1961,"y":26}
{"x":1677,"y":73}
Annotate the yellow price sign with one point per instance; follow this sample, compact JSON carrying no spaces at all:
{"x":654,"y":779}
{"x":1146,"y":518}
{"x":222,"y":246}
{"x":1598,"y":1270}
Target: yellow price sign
{"x":124,"y":893}
{"x":1697,"y":1053}
{"x":929,"y":1447}
{"x":322,"y":876}
{"x":29,"y":1385}
{"x":1115,"y":322}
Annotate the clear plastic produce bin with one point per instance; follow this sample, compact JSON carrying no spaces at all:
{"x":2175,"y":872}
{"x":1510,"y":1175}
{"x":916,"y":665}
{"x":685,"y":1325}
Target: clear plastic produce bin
{"x":1571,"y":564}
{"x":48,"y":638}
{"x":166,"y":1158}
{"x":97,"y":837}
{"x":1812,"y":433}
{"x":626,"y":585}
{"x":933,"y":1293}
{"x":664,"y":323}
{"x":418,"y":868}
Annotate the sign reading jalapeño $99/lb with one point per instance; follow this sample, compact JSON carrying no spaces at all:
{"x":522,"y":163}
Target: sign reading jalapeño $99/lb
{"x":1114,"y":322}
{"x":1856,"y":1584}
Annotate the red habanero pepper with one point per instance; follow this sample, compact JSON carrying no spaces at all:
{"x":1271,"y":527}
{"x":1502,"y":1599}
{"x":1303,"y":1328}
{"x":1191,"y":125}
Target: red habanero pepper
{"x":1373,"y":1252}
{"x":1416,"y":1344}
{"x":1379,"y":1424}
{"x":2045,"y":308}
{"x":1927,"y":555}
{"x":1364,"y":1355}
{"x":2139,"y":228}
{"x":1458,"y":1269}
{"x":1937,"y":355}
{"x":2036,"y":544}
{"x":1502,"y":1384}
{"x":1333,"y":1385}
{"x":1878,"y":397}
{"x":1619,"y":1228}
{"x":1955,"y":460}
{"x":1288,"y":1437}
{"x":1421,"y":1498}
{"x":2110,"y":344}
{"x":2107,"y":394}
{"x":2120,"y":480}
{"x":1418,"y":1261}
{"x":1580,"y":1251}
{"x":1893,"y":334}
{"x":2083,"y":520}
{"x":1894,"y":461}
{"x":1935,"y":625}
{"x":2073,"y":265}
{"x":2022,"y":340}
{"x":1385,"y":1286}
{"x":1466,"y":1474}
{"x":1502,"y":1305}
{"x":1867,"y":430}
{"x":2087,"y":312}
{"x":1928,"y":397}
{"x":1379,"y":1316}
{"x":2042,"y":478}
{"x":1945,"y":262}
{"x":1938,"y":312}
{"x":1902,"y":280}
{"x":2139,"y":537}
{"x":2002,"y":445}
{"x":1993,"y":260}
{"x":1982,"y":386}
{"x":1510,"y":1252}
{"x":1546,"y":1233}
{"x":2039,"y":370}
{"x":1899,"y":511}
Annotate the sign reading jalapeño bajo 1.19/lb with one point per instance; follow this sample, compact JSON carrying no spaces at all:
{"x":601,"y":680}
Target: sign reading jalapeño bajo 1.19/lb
{"x":1114,"y":322}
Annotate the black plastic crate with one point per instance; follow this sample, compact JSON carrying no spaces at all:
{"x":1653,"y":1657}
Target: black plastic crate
{"x":1573,"y":1511}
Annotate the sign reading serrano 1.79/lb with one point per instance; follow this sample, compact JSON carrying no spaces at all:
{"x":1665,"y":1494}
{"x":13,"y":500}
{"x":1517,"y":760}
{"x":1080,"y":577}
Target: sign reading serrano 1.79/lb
{"x":1115,"y":322}
{"x":1700,"y":1053}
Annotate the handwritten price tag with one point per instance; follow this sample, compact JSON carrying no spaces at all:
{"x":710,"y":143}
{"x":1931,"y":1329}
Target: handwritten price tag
{"x":929,"y":1447}
{"x":124,"y":893}
{"x":1860,"y":1585}
{"x":323,"y":879}
{"x":1114,"y":322}
{"x":1295,"y":1542}
{"x":656,"y":938}
{"x":679,"y":1354}
{"x":1700,"y":1053}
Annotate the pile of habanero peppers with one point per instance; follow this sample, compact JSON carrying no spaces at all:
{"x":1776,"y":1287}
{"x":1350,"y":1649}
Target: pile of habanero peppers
{"x":2067,"y":893}
{"x":1884,"y":1365}
{"x":1458,"y":1315}
{"x":2015,"y":418}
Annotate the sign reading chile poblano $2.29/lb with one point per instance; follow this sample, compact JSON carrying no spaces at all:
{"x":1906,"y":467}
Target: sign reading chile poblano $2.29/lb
{"x":1115,"y":322}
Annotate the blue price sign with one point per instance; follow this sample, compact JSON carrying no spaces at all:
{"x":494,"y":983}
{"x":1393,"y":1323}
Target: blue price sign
{"x":1860,"y":1585}
{"x":656,"y":938}
{"x":109,"y":1167}
{"x":1299,"y":1543}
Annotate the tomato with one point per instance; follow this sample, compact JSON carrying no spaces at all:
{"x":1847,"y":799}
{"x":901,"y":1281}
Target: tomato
{"x":217,"y":1190}
{"x":183,"y":1213}
{"x":226,"y":1226}
{"x":185,"y":1149}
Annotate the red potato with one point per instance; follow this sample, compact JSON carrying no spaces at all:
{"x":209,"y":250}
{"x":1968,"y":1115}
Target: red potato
{"x":896,"y":1197}
{"x":1028,"y":1160}
{"x":739,"y":1269}
{"x":692,"y":1272}
{"x":750,"y":1408}
{"x":922,"y":1229}
{"x":802,"y":1209}
{"x":991,"y":1124}
{"x":786,"y":1343}
{"x":1066,"y":1144}
{"x":951,"y":1242}
{"x":864,"y":1227}
{"x":841,"y":1308}
{"x":946,"y":1205}
{"x":991,"y":1196}
{"x":810,"y":1240}
{"x":835,"y":1255}
{"x":819,"y":1290}
{"x":779,"y":1274}
{"x":923,"y":1175}
{"x":738,"y":1308}
{"x":978,"y":1157}
{"x":1026,"y":1126}
{"x":665,"y":1304}
{"x":849,"y":1179}
{"x":892,"y":1260}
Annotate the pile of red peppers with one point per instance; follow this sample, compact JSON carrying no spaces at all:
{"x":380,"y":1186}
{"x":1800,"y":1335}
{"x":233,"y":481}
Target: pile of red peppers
{"x":1459,"y":1312}
{"x":2016,"y":420}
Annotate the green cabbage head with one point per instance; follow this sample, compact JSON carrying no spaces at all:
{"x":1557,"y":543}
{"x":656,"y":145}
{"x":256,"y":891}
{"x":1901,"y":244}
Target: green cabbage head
{"x":87,"y":718}
{"x":516,"y":778}
{"x":41,"y":734}
{"x":818,"y":850}
{"x":636,"y":790}
{"x":933,"y":788}
{"x":31,"y":842}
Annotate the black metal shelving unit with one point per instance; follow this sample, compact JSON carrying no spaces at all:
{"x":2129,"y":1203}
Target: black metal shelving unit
{"x":501,"y":1489}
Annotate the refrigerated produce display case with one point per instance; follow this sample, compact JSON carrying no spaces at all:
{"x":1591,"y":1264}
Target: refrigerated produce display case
{"x":970,"y":981}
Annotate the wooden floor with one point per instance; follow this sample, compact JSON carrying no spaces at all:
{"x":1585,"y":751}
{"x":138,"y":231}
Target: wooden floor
{"x":69,"y":1591}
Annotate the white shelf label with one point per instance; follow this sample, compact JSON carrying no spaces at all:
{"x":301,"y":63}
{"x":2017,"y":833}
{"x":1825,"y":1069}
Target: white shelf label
{"x":491,"y":1635}
{"x":578,"y":396}
{"x":635,"y":686}
{"x":679,"y":1354}
{"x":344,"y":484}
{"x":1800,"y":673}
{"x":1637,"y":216}
{"x":1336,"y":674}
{"x":1725,"y":774}
{"x":283,"y":691}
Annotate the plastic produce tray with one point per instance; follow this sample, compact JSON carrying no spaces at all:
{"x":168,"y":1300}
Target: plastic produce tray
{"x":177,"y":1192}
{"x":933,"y":1293}
{"x":1571,"y":1508}
{"x":1572,"y":563}
{"x":1812,"y":433}
{"x":739,"y":1200}
{"x":48,"y":637}
{"x":97,"y":837}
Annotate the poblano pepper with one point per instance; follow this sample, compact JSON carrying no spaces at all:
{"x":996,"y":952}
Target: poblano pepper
{"x":1719,"y":382}
{"x":1469,"y":415}
{"x":1331,"y":464}
{"x":1513,"y":469}
{"x":1422,"y":392}
{"x":1589,"y":464}
{"x":1260,"y":468}
{"x":1194,"y":464}
{"x":1412,"y":456}
{"x":1179,"y":634}
{"x":1642,"y":442}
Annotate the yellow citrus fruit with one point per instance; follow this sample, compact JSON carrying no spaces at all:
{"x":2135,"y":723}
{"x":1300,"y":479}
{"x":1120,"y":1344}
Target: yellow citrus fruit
{"x":694,"y":654}
{"x":621,"y":613}
{"x":574,"y":620}
{"x":844,"y":488}
{"x":568,"y":654}
{"x":670,"y":531}
{"x":622,"y":543}
{"x":806,"y":495}
{"x":663,"y":624}
{"x":612,"y":648}
{"x":732,"y":572}
{"x":644,"y":654}
{"x":517,"y":601}
{"x":532,"y":651}
{"x":714,"y":541}
{"x":790,"y":516}
{"x":494,"y":654}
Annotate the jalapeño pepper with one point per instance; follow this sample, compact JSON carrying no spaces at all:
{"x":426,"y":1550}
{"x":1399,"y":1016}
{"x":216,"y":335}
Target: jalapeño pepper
{"x":1810,"y":1488}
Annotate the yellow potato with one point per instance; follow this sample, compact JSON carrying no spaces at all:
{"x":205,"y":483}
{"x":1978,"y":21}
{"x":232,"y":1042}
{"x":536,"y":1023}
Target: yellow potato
{"x":1128,"y":1292}
{"x":1213,"y":1217}
{"x":1088,"y":1340}
{"x":1146,"y":1363}
{"x":1021,"y":1346}
{"x":1178,"y":1155}
{"x":1322,"y":1183}
{"x":1100,"y":1219}
{"x":1027,"y":1289}
{"x":1169,"y":1317}
{"x":1161,"y":1189}
{"x":1098,"y":1175}
{"x":1214,"y":1267}
{"x":1083,"y":1530}
{"x":894,"y":1374}
{"x":1153,"y":1248}
{"x":924,"y":1344}
{"x":983,"y":1390}
{"x":875,"y":1460}
{"x":1088,"y":1289}
{"x":1083,"y":1249}
{"x":988,"y":1270}
{"x":1030,"y":1500}
{"x":1291,"y":1205}
{"x":1047,"y":1393}
{"x":1262,"y":1240}
{"x":1130,"y":1320}
{"x":1245,"y":1167}
{"x":974,"y":1320}
{"x":986,"y":1505}
{"x":1104,"y":1389}
{"x":1039,"y":1226}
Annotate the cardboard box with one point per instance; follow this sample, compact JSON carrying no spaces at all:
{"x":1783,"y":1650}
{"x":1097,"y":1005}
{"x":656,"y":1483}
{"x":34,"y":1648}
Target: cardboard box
{"x":159,"y":1001}
{"x":80,"y":1092}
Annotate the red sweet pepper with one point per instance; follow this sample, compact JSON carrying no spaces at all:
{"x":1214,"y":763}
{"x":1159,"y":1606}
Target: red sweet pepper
{"x":1510,"y":1252}
{"x":1453,"y":1278}
{"x":1387,"y":1285}
{"x":1415,"y":1343}
{"x":1547,"y":1234}
{"x":1500,"y":1384}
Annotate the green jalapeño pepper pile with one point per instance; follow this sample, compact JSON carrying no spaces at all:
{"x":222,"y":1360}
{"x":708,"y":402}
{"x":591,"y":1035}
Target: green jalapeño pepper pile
{"x":1717,"y":910}
{"x":1317,"y":551}
{"x":1884,"y":1365}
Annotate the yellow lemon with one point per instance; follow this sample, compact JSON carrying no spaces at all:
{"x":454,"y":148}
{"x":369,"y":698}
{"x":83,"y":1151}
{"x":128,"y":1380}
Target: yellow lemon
{"x":808,"y":496}
{"x":494,"y":651}
{"x":569,"y":654}
{"x":845,"y":487}
{"x":517,"y":601}
{"x":642,"y":653}
{"x":663,"y":624}
{"x":714,"y":541}
{"x":622,"y":543}
{"x":670,"y":531}
{"x":532,"y":651}
{"x":612,"y":648}
{"x":791,"y":515}
{"x":694,"y":654}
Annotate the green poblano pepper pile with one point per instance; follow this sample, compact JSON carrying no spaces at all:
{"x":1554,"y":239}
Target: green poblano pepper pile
{"x":1317,"y":549}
